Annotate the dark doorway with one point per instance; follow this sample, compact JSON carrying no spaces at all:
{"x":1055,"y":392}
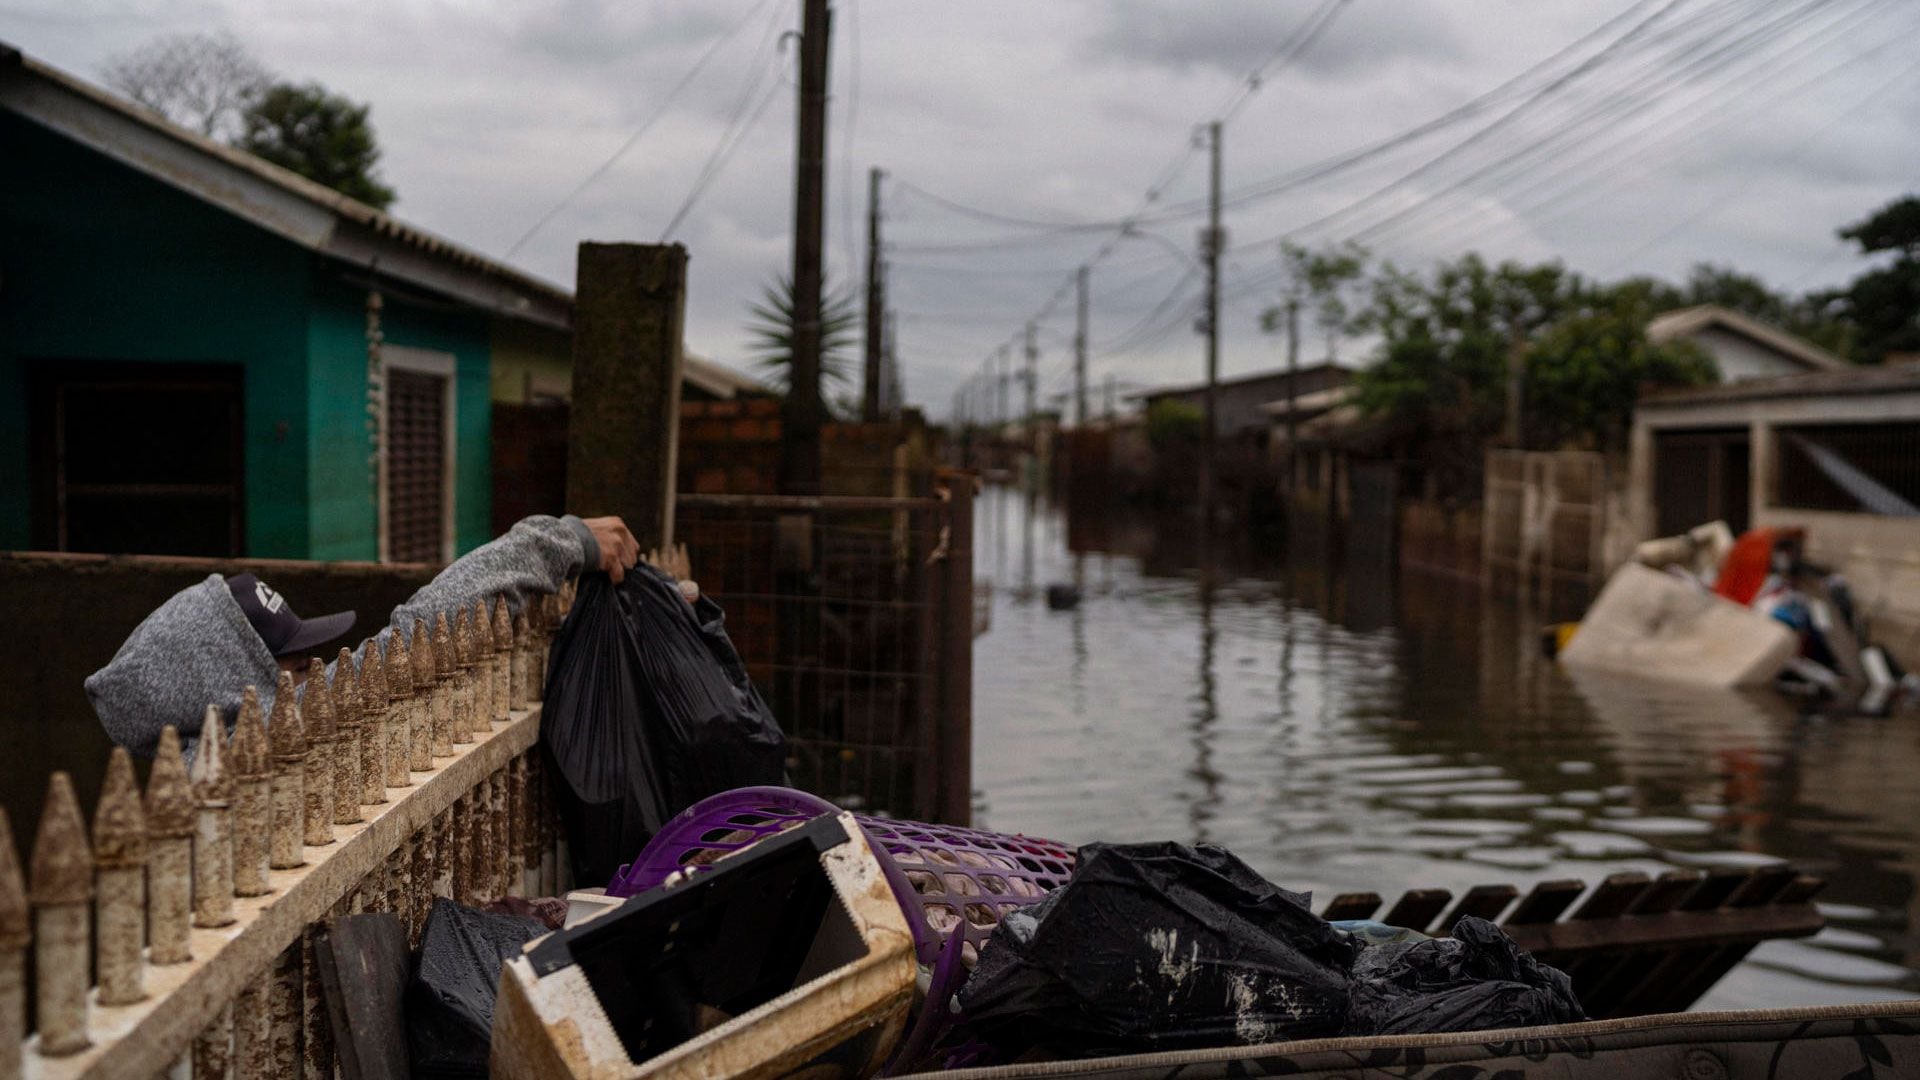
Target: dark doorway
{"x":138,"y":458}
{"x":529,"y":461}
{"x":1702,"y":476}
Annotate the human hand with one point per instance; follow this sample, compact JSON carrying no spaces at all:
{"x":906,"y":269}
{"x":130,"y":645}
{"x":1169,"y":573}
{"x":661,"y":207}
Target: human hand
{"x":618,"y":549}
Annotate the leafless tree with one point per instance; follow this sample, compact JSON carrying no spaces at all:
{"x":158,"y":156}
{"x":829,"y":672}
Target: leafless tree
{"x":205,"y":82}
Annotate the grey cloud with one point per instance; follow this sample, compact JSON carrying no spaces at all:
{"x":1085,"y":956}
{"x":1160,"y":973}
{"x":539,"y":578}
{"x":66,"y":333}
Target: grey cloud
{"x":1231,"y":37}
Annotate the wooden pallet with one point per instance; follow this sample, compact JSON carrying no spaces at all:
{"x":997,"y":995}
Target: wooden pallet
{"x":1634,"y":945}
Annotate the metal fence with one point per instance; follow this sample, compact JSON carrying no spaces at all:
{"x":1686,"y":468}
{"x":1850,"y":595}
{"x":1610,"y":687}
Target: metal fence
{"x":176,"y":933}
{"x":855,"y":617}
{"x":1544,"y":521}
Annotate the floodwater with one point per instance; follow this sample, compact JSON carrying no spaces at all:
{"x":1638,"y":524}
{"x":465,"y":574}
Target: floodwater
{"x":1354,"y":729}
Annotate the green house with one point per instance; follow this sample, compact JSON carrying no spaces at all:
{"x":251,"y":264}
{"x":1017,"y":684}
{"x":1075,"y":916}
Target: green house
{"x":202,"y":353}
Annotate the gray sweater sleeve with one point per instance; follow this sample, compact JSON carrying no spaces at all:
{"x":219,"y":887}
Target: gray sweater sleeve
{"x":535,"y":556}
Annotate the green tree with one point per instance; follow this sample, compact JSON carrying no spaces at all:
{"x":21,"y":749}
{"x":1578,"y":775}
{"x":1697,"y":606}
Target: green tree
{"x":1172,"y":423}
{"x":1584,"y":372}
{"x":1324,"y":281}
{"x":1882,"y":306}
{"x":1441,"y":378}
{"x":770,"y":329}
{"x":320,"y":135}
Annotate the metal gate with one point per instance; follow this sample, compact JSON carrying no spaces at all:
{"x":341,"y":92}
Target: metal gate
{"x":854,"y":616}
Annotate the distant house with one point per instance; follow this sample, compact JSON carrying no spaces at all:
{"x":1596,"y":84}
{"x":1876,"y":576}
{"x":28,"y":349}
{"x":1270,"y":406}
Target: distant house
{"x":1834,"y":452}
{"x":190,"y":340}
{"x":1742,"y":347}
{"x":1241,"y":403}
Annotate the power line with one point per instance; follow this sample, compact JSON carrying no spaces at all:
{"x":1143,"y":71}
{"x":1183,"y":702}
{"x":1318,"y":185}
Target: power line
{"x":731,"y":137}
{"x":1720,"y":202}
{"x":666,"y":103}
{"x":1586,"y":184}
{"x":1606,"y":115}
{"x":1576,"y":131}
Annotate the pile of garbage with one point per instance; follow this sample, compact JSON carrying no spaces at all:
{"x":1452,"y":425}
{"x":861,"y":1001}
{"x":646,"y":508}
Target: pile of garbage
{"x":1042,"y":951}
{"x":1703,"y":607}
{"x":1163,"y":946}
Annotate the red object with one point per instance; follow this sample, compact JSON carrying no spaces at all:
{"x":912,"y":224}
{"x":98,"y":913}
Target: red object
{"x":1747,"y":566}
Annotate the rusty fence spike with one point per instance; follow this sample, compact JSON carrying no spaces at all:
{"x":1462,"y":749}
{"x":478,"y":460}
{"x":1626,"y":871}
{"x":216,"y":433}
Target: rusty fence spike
{"x":397,"y":670}
{"x":344,"y":696}
{"x":374,"y":734}
{"x":316,"y":714}
{"x":463,"y":702}
{"x":119,"y":884}
{"x":287,"y":799}
{"x":15,"y":934}
{"x":442,"y":699}
{"x":482,"y":628}
{"x":60,"y":886}
{"x":502,"y":659}
{"x":419,"y":702}
{"x":251,"y":762}
{"x":213,"y":794}
{"x":170,"y":818}
{"x":517,"y":666}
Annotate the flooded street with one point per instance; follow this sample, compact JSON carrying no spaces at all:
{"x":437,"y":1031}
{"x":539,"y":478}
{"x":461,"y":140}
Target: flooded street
{"x":1362,"y":730}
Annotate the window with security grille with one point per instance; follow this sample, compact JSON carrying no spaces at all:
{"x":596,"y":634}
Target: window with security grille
{"x":416,"y":466}
{"x":1851,"y":468}
{"x":138,"y":458}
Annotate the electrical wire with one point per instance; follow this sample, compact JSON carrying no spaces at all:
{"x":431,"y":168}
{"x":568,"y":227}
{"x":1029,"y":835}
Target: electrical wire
{"x":731,"y":137}
{"x":659,"y":112}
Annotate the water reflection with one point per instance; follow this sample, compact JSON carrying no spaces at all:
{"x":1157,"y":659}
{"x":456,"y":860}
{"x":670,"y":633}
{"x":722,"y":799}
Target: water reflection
{"x":1344,"y":728}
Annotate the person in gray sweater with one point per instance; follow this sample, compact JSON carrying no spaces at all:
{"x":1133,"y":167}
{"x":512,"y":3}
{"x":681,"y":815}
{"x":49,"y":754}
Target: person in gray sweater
{"x":209,"y":641}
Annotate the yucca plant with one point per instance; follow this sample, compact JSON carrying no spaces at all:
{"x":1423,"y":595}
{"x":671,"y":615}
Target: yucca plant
{"x":771,"y":328}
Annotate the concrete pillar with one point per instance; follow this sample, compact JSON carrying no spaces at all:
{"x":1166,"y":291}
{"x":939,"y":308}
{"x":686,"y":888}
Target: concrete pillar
{"x":1763,"y":455}
{"x":623,"y":435}
{"x":119,"y":884}
{"x":170,"y":816}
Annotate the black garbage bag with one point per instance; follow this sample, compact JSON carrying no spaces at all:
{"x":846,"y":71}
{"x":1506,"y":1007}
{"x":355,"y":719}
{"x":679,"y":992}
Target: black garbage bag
{"x":1159,"y":947}
{"x":647,"y":710}
{"x":449,"y":1001}
{"x":1475,"y":980}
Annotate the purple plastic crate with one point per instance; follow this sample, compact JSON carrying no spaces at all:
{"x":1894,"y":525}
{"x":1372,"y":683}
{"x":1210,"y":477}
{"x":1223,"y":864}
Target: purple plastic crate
{"x":946,"y":878}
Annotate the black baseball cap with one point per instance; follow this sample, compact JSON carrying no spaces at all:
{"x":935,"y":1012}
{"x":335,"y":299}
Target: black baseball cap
{"x":284,"y":632}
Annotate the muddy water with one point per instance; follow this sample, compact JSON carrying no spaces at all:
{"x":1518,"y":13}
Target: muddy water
{"x":1356,"y":729}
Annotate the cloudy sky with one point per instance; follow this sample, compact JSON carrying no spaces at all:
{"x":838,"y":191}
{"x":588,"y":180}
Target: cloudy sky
{"x":1018,"y":135}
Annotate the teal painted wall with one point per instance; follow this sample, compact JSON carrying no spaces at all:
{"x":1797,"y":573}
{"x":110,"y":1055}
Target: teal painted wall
{"x":98,"y":262}
{"x":340,"y":487}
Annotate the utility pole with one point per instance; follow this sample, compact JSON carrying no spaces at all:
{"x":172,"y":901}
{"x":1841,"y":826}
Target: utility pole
{"x":800,"y":419}
{"x":1080,"y":352}
{"x":890,"y":368}
{"x":1293,"y":387}
{"x":1212,"y":245}
{"x":1033,"y":388}
{"x":870,"y":404}
{"x":1110,"y":397}
{"x":1006,"y":375}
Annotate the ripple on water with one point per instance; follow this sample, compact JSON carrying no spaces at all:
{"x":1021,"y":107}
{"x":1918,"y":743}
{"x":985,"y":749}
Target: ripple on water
{"x":1582,"y":844}
{"x":1656,"y":826}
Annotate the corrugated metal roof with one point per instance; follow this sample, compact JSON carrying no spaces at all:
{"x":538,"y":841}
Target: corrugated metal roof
{"x":1893,"y":378}
{"x":273,"y":198}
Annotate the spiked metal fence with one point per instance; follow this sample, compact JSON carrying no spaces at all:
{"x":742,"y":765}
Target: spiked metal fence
{"x":179,"y":931}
